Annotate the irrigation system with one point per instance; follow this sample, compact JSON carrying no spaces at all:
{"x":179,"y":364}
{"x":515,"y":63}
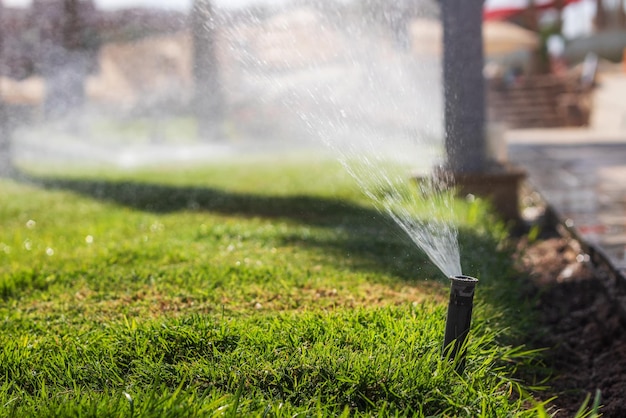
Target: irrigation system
{"x":459,"y":319}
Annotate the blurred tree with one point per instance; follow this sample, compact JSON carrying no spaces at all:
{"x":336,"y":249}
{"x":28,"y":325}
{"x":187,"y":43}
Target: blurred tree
{"x":73,"y":26}
{"x":68,"y":50}
{"x":208,"y":98}
{"x":72,"y":32}
{"x":6,"y":161}
{"x":464,"y":91}
{"x":600,"y":18}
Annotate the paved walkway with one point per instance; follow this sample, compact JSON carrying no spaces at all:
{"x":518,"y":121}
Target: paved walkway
{"x":581,"y":173}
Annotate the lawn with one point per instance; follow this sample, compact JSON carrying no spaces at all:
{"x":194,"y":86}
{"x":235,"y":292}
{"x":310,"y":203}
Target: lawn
{"x":244,"y":288}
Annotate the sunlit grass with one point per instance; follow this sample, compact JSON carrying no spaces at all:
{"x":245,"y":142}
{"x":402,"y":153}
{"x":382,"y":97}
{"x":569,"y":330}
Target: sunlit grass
{"x":244,"y":288}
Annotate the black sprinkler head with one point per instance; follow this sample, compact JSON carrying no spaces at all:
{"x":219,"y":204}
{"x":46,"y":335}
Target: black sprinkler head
{"x":459,"y":319}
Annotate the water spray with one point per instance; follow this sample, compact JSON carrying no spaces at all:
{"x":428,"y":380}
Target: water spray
{"x":459,"y":319}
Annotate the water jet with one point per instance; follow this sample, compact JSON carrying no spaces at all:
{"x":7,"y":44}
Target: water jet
{"x":459,"y":319}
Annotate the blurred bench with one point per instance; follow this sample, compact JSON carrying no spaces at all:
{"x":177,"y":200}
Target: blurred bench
{"x":540,"y":101}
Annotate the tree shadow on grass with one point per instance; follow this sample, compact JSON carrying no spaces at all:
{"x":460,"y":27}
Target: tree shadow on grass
{"x":369,"y":240}
{"x":160,"y":198}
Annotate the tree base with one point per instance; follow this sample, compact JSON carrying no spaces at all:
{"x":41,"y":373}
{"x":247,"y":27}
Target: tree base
{"x":499,"y":184}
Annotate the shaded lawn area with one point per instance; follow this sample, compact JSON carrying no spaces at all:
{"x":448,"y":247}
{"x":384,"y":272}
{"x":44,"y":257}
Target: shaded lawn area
{"x":262,"y":289}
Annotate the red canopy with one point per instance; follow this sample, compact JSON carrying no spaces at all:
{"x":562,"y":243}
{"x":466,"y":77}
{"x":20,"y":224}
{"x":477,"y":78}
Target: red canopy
{"x":505,"y":11}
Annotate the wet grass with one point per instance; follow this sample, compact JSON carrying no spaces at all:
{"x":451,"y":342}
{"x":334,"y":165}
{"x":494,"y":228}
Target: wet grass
{"x":242,"y":289}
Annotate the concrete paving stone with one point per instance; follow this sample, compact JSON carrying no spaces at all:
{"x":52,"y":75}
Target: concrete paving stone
{"x":581,"y":172}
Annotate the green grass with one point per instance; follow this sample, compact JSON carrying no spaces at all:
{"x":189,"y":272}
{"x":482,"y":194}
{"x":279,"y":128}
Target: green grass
{"x":250,"y":288}
{"x":158,"y":128}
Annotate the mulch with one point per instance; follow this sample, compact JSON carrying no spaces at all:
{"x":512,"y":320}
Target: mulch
{"x":582,"y":326}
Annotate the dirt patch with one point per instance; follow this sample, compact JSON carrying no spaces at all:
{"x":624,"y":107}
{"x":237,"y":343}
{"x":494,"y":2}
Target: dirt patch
{"x":583,"y":326}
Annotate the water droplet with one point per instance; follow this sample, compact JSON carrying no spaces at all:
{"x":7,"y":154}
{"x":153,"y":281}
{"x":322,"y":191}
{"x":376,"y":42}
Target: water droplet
{"x":157,"y":226}
{"x":30,"y":224}
{"x":128,"y":397}
{"x":583,"y":258}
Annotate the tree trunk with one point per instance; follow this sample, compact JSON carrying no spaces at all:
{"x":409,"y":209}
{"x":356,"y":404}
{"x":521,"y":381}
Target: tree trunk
{"x":600,"y":19}
{"x":66,"y":63}
{"x":6,"y":161}
{"x":208,"y":100}
{"x":464,"y":92}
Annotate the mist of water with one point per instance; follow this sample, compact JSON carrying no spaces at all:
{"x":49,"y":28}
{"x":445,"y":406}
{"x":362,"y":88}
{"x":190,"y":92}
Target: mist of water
{"x":419,"y":202}
{"x":422,"y":207}
{"x":379,"y":111}
{"x":334,"y":73}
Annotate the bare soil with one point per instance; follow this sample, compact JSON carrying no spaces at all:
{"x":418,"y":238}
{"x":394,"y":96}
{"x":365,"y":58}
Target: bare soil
{"x":583,"y":326}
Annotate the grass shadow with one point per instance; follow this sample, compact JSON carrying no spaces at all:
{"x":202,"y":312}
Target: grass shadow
{"x":162,"y":199}
{"x":369,"y":240}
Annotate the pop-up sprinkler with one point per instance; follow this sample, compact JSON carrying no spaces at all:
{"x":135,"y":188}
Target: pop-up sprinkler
{"x":459,"y":319}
